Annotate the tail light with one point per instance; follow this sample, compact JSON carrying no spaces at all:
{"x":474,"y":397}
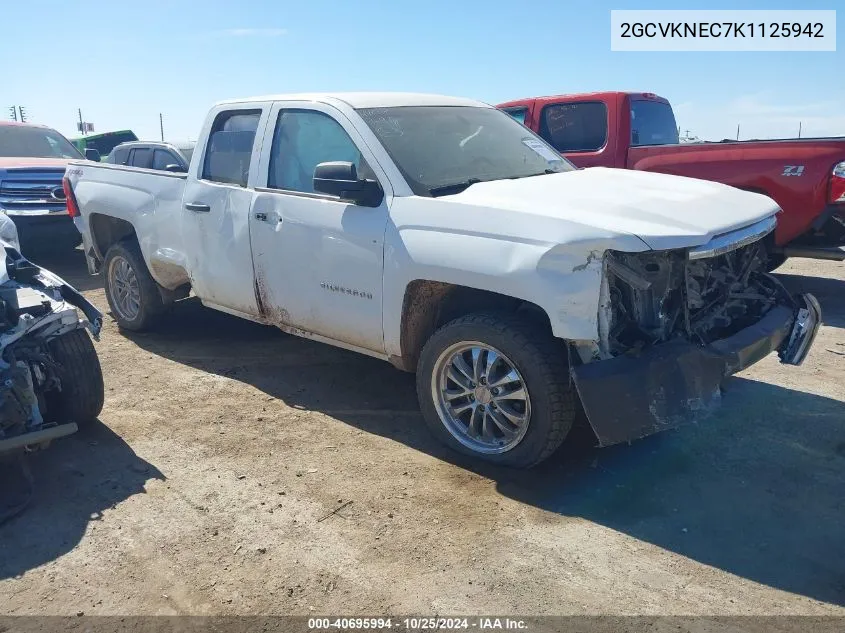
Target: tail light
{"x":837,"y":183}
{"x":70,"y":199}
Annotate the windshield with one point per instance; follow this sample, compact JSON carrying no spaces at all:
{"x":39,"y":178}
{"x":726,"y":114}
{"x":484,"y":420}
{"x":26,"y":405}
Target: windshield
{"x":444,"y":149}
{"x":652,"y":123}
{"x":34,"y":142}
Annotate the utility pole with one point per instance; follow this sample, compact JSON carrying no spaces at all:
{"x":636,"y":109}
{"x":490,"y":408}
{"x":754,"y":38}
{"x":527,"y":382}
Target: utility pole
{"x":81,"y":124}
{"x":737,"y":131}
{"x":17,"y":113}
{"x":161,"y":125}
{"x":799,"y":128}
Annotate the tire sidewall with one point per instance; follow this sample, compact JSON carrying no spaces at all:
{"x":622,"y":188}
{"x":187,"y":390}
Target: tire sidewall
{"x":120,"y":250}
{"x":527,"y":452}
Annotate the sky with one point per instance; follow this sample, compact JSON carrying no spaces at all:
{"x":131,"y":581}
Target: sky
{"x":123,"y":63}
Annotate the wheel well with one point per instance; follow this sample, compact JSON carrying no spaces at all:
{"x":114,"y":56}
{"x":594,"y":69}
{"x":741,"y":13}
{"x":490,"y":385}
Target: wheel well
{"x":106,"y":230}
{"x":428,"y":305}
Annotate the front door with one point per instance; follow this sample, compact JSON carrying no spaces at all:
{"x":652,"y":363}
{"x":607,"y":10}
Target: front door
{"x":216,"y":211}
{"x":318,"y":261}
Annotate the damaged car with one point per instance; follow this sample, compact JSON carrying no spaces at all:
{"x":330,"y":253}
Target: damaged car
{"x":50,"y":376}
{"x":439,"y":234}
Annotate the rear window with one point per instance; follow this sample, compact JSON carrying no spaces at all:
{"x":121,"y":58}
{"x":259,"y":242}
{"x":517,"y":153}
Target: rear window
{"x":653,"y":123}
{"x":575,"y":127}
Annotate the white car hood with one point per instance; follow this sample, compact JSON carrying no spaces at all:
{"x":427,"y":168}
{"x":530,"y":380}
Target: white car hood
{"x":664,"y":211}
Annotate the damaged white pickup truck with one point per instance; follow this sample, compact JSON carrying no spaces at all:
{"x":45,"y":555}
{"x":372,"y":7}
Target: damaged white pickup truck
{"x":441,"y":235}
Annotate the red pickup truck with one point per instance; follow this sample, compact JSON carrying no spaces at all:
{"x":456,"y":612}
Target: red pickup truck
{"x":637,"y":130}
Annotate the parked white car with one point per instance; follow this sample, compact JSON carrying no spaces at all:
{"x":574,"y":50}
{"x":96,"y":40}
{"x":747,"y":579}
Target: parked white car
{"x":441,"y":235}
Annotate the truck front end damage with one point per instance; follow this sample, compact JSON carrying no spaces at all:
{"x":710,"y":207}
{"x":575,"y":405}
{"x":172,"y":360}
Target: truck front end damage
{"x":674,"y":324}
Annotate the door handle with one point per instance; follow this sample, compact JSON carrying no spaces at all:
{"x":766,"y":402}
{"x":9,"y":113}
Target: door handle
{"x":197,"y":207}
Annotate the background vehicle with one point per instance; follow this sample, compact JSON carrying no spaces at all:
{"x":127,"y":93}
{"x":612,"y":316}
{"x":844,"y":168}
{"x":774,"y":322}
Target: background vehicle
{"x":32,"y":163}
{"x":105,"y":142}
{"x":153,"y":155}
{"x":440,"y":235}
{"x":806,"y":177}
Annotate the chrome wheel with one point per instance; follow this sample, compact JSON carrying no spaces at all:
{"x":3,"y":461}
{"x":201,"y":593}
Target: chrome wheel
{"x":481,"y":397}
{"x":124,"y":289}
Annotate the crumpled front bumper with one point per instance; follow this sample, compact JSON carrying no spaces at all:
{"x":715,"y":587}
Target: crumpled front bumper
{"x":629,"y":397}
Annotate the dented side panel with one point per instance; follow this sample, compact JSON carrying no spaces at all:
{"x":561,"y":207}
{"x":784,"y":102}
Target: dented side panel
{"x":498,"y":251}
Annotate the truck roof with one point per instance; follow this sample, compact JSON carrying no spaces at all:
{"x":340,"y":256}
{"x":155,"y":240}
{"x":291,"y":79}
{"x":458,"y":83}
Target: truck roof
{"x":24,"y":124}
{"x":367,"y":99}
{"x":583,"y":96}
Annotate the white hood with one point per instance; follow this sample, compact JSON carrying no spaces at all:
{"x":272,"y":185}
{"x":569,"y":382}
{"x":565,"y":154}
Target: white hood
{"x":664,"y":211}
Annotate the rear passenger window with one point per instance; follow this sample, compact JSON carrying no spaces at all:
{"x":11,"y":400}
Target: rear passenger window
{"x":141,"y":157}
{"x":229,"y":149}
{"x":162,"y":158}
{"x":575,"y":127}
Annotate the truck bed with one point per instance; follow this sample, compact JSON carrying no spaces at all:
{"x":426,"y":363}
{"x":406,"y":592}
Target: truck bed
{"x":150,"y":200}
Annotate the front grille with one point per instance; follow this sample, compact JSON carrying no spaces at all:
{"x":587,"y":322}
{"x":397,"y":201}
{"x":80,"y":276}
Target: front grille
{"x":658,"y":296}
{"x":32,"y":189}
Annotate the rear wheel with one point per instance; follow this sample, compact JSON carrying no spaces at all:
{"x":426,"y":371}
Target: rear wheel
{"x":81,"y":397}
{"x":496,"y":387}
{"x":132,"y":293}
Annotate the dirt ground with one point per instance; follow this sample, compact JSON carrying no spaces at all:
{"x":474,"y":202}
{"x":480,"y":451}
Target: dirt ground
{"x":208,"y":484}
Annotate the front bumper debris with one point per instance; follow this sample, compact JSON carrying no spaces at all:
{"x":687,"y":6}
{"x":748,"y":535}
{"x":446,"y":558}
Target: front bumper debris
{"x":629,"y":397}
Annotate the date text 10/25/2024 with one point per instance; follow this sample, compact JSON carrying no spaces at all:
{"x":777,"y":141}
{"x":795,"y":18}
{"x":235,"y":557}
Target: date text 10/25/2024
{"x":417,"y":624}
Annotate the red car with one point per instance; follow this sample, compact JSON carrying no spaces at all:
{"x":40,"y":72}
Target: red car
{"x":636,"y":130}
{"x":32,"y":163}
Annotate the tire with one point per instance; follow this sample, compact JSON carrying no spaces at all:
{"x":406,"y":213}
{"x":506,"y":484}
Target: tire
{"x":540,"y":362}
{"x":81,"y":397}
{"x":126,"y":257}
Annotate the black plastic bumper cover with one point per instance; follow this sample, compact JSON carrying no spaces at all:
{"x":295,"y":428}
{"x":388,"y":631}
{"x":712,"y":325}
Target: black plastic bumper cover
{"x":629,"y":397}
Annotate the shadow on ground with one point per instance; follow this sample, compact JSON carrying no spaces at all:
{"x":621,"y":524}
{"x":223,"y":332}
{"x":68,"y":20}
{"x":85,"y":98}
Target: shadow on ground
{"x":829,"y":292}
{"x":75,"y":480}
{"x":756,"y":490}
{"x":70,"y":266}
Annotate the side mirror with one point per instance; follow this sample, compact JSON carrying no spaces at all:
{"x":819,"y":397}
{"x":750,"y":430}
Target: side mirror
{"x":174,"y":167}
{"x":340,"y":178}
{"x":92,"y":154}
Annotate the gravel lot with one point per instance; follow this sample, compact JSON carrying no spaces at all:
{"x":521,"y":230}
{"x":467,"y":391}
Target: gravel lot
{"x":207,"y":488}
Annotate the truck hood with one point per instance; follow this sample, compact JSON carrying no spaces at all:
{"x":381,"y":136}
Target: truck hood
{"x":14,"y":161}
{"x":664,"y":211}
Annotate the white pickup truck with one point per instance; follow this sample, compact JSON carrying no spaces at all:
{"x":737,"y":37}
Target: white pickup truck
{"x":443,"y":236}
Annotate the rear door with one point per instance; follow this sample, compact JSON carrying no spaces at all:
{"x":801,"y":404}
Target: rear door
{"x":319,"y":261}
{"x":216,"y":209}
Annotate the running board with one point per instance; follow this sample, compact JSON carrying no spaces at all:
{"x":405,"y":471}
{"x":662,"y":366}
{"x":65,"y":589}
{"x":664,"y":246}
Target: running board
{"x":835,"y":253}
{"x":37,"y":437}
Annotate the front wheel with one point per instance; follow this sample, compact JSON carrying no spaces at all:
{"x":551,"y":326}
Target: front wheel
{"x":496,"y":387}
{"x":82,"y":393}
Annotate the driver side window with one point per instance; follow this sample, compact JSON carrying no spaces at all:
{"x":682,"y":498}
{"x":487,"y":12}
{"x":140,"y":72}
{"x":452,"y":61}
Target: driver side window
{"x":302,"y":140}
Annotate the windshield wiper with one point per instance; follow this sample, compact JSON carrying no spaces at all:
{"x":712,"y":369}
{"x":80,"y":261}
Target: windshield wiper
{"x":455,"y":187}
{"x":539,"y":173}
